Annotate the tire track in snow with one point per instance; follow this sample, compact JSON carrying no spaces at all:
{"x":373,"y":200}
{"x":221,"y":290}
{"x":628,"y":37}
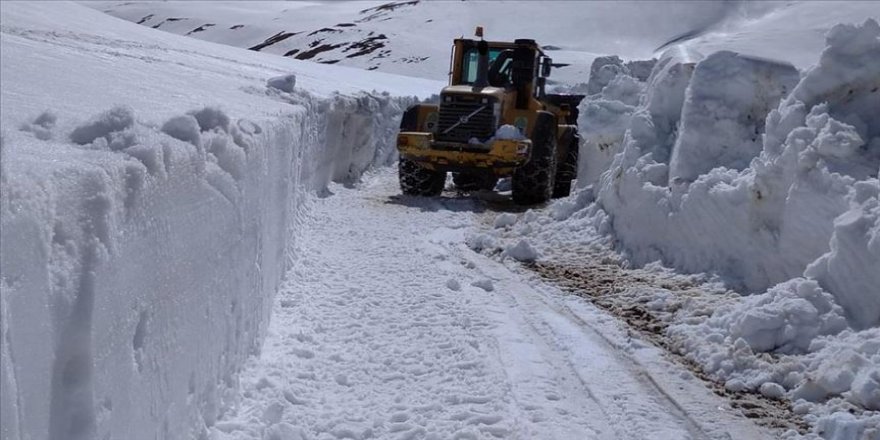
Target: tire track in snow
{"x":631,"y":418}
{"x":389,"y":327}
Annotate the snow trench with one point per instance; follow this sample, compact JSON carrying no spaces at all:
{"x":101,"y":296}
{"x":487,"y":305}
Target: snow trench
{"x":140,"y":257}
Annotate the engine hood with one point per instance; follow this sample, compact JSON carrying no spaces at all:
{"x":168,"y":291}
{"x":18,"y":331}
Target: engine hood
{"x":496,"y":92}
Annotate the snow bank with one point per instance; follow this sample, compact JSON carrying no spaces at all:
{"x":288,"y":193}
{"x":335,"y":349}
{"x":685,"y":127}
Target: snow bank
{"x":744,"y":168}
{"x":849,"y":268}
{"x":124,"y":249}
{"x":756,"y":217}
{"x":726,"y":104}
{"x":142,"y":242}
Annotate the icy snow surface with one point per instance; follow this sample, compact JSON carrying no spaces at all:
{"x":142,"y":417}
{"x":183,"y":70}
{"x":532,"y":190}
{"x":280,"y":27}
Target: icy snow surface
{"x":419,"y":337}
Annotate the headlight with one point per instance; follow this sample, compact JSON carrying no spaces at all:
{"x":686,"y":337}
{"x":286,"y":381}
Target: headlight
{"x":431,"y":122}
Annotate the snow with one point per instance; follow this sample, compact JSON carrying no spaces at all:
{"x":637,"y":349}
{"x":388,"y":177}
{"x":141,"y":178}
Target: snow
{"x":730,"y":195}
{"x":148,"y":216}
{"x":412,"y":38}
{"x":509,"y":132}
{"x":743,"y":168}
{"x":447,"y":343}
{"x":163,"y":197}
{"x":726,"y":103}
{"x":848,"y":268}
{"x":284,"y":83}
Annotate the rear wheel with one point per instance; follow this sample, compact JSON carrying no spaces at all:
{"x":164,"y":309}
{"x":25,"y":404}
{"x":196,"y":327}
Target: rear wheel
{"x":566,"y":169}
{"x":474,"y":182}
{"x":416,"y":180}
{"x":533,"y":182}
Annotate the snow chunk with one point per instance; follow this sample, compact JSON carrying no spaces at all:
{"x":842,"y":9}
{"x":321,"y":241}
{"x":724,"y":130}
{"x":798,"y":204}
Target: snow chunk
{"x":522,"y":251}
{"x":603,"y":123}
{"x":184,"y":128}
{"x":602,"y":71}
{"x":624,"y":88}
{"x":481,"y":242}
{"x":42,"y":125}
{"x":115,"y":120}
{"x":285,"y":83}
{"x":842,"y":425}
{"x":504,"y":220}
{"x":772,"y":390}
{"x":723,"y":116}
{"x":787,"y":318}
{"x":485,"y":284}
{"x":211,"y":118}
{"x":834,"y":375}
{"x":855,"y":250}
{"x":847,"y":77}
{"x":866,"y":388}
{"x":507,"y":132}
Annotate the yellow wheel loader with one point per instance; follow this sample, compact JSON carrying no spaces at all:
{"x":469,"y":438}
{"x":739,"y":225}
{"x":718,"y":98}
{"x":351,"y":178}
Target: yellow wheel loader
{"x":494,"y":120}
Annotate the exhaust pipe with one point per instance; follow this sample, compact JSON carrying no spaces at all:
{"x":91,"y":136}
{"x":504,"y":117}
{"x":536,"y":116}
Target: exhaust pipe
{"x":482,"y":79}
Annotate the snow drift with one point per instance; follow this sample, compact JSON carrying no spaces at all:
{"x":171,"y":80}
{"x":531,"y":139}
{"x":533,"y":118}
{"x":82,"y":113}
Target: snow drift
{"x":696,"y":182}
{"x":742,"y":167}
{"x":142,"y":243}
{"x":139,"y":263}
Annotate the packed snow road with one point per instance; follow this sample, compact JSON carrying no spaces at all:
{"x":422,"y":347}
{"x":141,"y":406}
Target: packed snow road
{"x":390,"y":327}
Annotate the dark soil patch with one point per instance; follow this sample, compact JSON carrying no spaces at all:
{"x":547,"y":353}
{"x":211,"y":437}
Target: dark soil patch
{"x":366,"y":46}
{"x":200,"y":28}
{"x":612,"y":288}
{"x":311,"y":53}
{"x":281,"y":36}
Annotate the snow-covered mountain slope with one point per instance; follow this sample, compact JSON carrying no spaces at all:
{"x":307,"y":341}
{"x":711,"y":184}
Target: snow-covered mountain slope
{"x":413,"y":37}
{"x":150,"y":189}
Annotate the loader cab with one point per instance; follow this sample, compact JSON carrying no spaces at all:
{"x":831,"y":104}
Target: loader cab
{"x":519,"y":66}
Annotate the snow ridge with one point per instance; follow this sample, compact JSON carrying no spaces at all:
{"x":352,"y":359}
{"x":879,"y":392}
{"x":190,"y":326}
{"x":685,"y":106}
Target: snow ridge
{"x":744,"y":168}
{"x":123,"y":243}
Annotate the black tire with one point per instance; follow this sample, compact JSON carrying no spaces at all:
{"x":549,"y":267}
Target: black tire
{"x":418,"y":181}
{"x":532,"y":183}
{"x":474,"y":182}
{"x":566,"y":169}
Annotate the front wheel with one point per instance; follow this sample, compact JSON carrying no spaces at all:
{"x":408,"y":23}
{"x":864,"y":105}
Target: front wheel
{"x":416,"y":180}
{"x":532,"y":183}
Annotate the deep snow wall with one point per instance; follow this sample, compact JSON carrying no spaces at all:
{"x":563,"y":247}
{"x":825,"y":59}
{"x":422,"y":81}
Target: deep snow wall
{"x":748,"y":177}
{"x":139,"y":257}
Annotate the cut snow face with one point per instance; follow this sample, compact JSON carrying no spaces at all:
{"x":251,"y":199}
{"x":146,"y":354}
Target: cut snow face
{"x":804,"y":171}
{"x":147,"y":217}
{"x":726,"y":103}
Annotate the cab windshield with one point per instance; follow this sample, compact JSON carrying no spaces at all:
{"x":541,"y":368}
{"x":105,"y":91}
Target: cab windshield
{"x":499,"y":75}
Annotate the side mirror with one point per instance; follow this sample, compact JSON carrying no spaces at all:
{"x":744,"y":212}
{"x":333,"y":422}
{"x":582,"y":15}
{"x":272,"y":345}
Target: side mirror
{"x":546,"y":64}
